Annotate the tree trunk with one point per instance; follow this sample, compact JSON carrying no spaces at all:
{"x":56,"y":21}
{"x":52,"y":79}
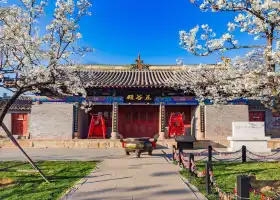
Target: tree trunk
{"x":10,"y":135}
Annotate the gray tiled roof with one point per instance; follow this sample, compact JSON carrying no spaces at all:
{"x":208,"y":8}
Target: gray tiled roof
{"x":21,"y":104}
{"x":135,"y":78}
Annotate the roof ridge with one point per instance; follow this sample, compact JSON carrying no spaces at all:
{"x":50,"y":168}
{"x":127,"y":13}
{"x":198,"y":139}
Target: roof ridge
{"x":148,"y":70}
{"x":149,"y":64}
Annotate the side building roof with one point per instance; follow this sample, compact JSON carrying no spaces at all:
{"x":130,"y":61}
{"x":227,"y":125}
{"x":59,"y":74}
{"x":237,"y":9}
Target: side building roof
{"x":22,"y":104}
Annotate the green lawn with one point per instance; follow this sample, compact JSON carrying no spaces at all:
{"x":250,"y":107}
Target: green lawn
{"x":226,"y":173}
{"x":62,"y":175}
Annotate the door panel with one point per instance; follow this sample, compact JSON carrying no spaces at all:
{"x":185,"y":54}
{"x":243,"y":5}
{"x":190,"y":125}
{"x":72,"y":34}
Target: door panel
{"x":138,"y":121}
{"x":20,"y":124}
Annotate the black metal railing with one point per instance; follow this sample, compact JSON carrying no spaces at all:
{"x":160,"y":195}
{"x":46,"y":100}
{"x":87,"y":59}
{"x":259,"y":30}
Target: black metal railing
{"x":242,"y":190}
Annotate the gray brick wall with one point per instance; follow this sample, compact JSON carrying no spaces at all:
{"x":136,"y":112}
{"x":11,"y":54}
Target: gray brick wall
{"x":51,"y":121}
{"x":8,"y":123}
{"x":218,"y":120}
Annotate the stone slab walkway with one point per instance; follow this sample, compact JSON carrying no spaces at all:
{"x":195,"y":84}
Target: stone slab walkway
{"x":8,"y":154}
{"x":131,"y":178}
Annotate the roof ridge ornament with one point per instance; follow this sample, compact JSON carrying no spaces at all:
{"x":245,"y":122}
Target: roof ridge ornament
{"x":226,"y":60}
{"x":140,"y":64}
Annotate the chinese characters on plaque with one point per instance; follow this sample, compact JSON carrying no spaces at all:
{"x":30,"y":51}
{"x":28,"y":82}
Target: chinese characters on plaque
{"x":139,"y":98}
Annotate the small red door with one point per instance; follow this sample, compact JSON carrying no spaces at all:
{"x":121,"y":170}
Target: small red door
{"x":20,"y":124}
{"x":186,"y":114}
{"x":97,"y":127}
{"x":256,"y":116}
{"x":105,"y":111}
{"x":184,"y":110}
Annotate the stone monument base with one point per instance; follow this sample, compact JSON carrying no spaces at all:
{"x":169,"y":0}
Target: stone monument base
{"x":161,"y":136}
{"x":254,"y":145}
{"x":115,"y":135}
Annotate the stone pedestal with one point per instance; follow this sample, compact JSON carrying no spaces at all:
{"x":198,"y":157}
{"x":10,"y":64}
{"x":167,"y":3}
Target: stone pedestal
{"x":251,"y":145}
{"x":114,"y":135}
{"x":161,"y":136}
{"x":77,"y":135}
{"x":250,"y":134}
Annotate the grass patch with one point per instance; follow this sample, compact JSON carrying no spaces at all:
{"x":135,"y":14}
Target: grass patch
{"x":226,"y":173}
{"x":61,"y":174}
{"x":199,"y":183}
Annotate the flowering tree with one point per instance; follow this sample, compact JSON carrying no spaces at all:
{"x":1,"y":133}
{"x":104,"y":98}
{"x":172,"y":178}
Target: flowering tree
{"x":252,"y":76}
{"x":35,"y":58}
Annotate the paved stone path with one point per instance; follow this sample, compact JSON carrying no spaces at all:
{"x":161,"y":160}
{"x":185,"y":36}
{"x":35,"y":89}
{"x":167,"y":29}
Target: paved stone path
{"x":119,"y":177}
{"x":130,"y":178}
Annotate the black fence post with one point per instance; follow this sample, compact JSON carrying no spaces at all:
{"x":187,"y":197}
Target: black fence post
{"x":207,"y":177}
{"x":210,"y":153}
{"x":243,"y":187}
{"x":191,"y":158}
{"x":244,"y":150}
{"x":173,"y":152}
{"x":180,"y":153}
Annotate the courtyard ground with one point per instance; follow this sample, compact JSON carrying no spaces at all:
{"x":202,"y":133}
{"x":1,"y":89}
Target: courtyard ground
{"x":119,"y":177}
{"x":130,"y":178}
{"x":8,"y":154}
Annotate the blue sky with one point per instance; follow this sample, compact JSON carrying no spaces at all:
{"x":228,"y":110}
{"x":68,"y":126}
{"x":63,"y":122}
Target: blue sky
{"x":119,"y":29}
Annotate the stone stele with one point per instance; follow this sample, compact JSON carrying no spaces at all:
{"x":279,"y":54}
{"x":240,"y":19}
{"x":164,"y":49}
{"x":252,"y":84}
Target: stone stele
{"x":250,"y":134}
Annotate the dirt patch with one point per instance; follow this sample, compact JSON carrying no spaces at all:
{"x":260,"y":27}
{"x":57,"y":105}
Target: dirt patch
{"x":6,"y":182}
{"x":266,"y":185}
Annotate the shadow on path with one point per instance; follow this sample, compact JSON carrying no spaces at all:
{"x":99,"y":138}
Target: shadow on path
{"x":109,"y":179}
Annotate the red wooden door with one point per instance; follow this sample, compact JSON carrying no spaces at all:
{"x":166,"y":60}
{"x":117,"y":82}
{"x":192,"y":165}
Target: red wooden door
{"x":138,"y":121}
{"x":19,"y":124}
{"x":256,"y":116}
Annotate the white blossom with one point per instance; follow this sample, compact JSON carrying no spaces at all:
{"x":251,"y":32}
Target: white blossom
{"x":41,"y":58}
{"x":231,"y":26}
{"x":251,"y":76}
{"x":278,"y":46}
{"x":79,"y":35}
